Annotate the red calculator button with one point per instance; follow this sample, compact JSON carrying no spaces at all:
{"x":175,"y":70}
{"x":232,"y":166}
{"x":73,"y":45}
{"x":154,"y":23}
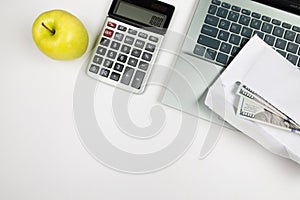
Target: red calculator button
{"x":111,"y":24}
{"x":108,"y":33}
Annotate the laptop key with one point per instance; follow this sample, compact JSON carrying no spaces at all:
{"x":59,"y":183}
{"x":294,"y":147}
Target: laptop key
{"x":270,"y":40}
{"x":212,"y":9}
{"x":266,"y":18}
{"x":246,"y":32}
{"x":256,"y":15}
{"x":286,"y":25}
{"x":280,"y":44}
{"x":235,"y":28}
{"x":225,"y":47}
{"x":222,"y":12}
{"x":235,"y":51}
{"x":266,"y":27}
{"x":236,"y":8}
{"x":296,"y":28}
{"x":222,"y":58}
{"x":199,"y":50}
{"x":209,"y":42}
{"x":292,"y":47}
{"x":289,"y":35}
{"x":216,"y":2}
{"x":224,"y":24}
{"x":210,"y":54}
{"x":226,"y":5}
{"x":234,"y":39}
{"x":233,"y":16}
{"x":244,"y":20}
{"x":209,"y":30}
{"x":278,"y":31}
{"x":212,"y":20}
{"x":246,"y":12}
{"x":298,"y":39}
{"x":255,"y":23}
{"x":223,"y":35}
{"x":259,"y":34}
{"x":292,"y":58}
{"x":276,"y":22}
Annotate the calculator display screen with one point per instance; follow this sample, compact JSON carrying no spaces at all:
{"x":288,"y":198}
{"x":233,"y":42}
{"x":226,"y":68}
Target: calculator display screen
{"x":140,"y":14}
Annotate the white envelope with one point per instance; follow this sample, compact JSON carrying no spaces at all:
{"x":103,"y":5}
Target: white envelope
{"x":265,"y":71}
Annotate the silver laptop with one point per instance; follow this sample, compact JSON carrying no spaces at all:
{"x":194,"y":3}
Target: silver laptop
{"x":217,"y":32}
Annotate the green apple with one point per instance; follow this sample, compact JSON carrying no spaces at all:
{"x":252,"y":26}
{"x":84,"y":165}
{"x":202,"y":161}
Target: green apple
{"x":60,"y":35}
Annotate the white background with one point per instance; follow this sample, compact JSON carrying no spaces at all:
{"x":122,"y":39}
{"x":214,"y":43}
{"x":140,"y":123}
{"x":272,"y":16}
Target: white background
{"x":41,"y":156}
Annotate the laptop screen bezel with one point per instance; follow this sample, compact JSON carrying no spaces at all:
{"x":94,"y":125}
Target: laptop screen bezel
{"x":292,"y":6}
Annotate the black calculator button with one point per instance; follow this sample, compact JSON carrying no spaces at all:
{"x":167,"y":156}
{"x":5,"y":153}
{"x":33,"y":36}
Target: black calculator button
{"x":97,"y":59}
{"x":143,"y":35}
{"x":139,"y":44}
{"x":125,"y":49}
{"x":122,"y":28}
{"x":136,"y":53}
{"x":143,"y":65}
{"x":131,"y":31}
{"x":101,"y":51}
{"x":94,"y":69}
{"x":129,"y":40}
{"x":115,"y":45}
{"x":150,"y":47}
{"x":108,"y":63}
{"x":147,"y":56}
{"x":115,"y":76}
{"x":111,"y":54}
{"x":138,"y":79}
{"x":122,"y":58}
{"x":127,"y":75}
{"x":119,"y":36}
{"x":153,"y":39}
{"x":118,"y":67}
{"x":104,"y":42}
{"x":132,"y":62}
{"x":104,"y":72}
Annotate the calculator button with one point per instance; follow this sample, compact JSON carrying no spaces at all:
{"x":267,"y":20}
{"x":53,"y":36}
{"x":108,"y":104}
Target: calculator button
{"x":108,"y":33}
{"x":104,"y":72}
{"x":127,"y":75}
{"x":147,"y":56}
{"x":122,"y":28}
{"x":101,"y":51}
{"x":125,"y":49}
{"x":118,"y":67}
{"x":138,"y":79}
{"x":143,"y":65}
{"x":115,"y":45}
{"x":143,"y":35}
{"x":108,"y":63}
{"x":115,"y":76}
{"x":136,"y":52}
{"x":119,"y":36}
{"x":150,"y":47}
{"x":139,"y":44}
{"x":104,"y":42}
{"x":129,"y":40}
{"x":153,"y":39}
{"x":122,"y":58}
{"x":111,"y":54}
{"x":131,"y":31}
{"x":132,"y":62}
{"x":98,"y":60}
{"x":94,"y":69}
{"x":111,"y":24}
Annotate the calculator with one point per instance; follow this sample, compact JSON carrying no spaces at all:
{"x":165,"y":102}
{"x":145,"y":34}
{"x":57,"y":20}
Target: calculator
{"x":129,"y":42}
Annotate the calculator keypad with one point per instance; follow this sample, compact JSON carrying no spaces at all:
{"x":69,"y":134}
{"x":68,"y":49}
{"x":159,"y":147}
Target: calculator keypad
{"x":124,"y":56}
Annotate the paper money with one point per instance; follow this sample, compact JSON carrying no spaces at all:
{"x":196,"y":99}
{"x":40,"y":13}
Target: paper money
{"x":249,"y":94}
{"x":253,"y":111}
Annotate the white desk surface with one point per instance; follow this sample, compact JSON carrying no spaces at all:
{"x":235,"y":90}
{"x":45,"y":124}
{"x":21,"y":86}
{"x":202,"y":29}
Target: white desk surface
{"x":42,"y":157}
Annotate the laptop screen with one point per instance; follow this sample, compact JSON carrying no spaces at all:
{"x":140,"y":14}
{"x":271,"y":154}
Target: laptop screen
{"x":292,"y":6}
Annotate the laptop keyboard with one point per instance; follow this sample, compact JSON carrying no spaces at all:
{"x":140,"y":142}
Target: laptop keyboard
{"x":227,"y":28}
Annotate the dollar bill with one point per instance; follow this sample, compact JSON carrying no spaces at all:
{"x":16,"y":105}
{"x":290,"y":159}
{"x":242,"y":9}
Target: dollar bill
{"x":254,"y":111}
{"x":245,"y":92}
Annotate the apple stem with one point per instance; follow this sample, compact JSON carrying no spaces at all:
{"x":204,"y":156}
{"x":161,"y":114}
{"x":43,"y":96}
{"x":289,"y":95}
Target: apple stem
{"x":52,"y":31}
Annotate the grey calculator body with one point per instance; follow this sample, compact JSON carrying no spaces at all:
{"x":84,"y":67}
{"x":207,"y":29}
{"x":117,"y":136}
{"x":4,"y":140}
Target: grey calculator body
{"x":129,"y":42}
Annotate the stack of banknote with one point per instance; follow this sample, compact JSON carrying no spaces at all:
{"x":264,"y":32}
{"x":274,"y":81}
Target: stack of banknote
{"x":254,"y":107}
